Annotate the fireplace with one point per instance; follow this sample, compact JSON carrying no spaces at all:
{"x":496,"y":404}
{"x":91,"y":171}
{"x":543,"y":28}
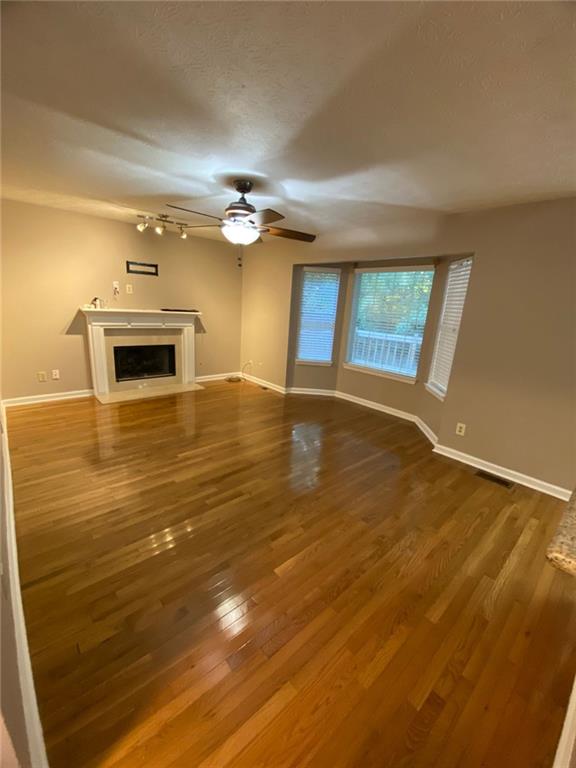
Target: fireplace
{"x":144,"y":361}
{"x":120,"y":343}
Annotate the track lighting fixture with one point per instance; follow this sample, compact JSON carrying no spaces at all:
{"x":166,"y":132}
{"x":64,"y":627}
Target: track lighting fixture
{"x":160,"y":224}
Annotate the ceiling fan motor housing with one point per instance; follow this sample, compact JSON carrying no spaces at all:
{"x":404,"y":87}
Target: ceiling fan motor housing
{"x":239,"y":209}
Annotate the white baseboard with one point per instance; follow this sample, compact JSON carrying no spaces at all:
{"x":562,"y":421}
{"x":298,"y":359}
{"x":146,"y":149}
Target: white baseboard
{"x":313,"y":392}
{"x":216,"y":377}
{"x":263,"y":383}
{"x":566,"y":750}
{"x":47,"y":398}
{"x":504,"y":472}
{"x":425,"y":429}
{"x":495,"y":469}
{"x":422,"y":426}
{"x":34,"y":735}
{"x":74,"y":394}
{"x":376,"y":406}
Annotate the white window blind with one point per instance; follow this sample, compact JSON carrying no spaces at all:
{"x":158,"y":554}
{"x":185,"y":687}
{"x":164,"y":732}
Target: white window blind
{"x":318,"y":307}
{"x":447,"y":335}
{"x":388,"y":318}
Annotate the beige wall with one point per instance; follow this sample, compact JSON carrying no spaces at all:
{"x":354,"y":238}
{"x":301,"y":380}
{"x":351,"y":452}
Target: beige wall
{"x":513,"y":382}
{"x":514,"y":376}
{"x":55,"y":261}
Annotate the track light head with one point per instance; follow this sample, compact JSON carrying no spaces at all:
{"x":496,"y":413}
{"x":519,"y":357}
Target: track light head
{"x":183,"y":234}
{"x":160,"y":229}
{"x":142,"y":226}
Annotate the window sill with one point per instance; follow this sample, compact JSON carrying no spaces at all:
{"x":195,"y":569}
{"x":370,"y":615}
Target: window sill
{"x":434,"y":391}
{"x":314,"y":362}
{"x":382,"y":374}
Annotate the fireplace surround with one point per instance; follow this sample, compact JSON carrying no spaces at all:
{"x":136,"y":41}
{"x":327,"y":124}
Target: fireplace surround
{"x":125,"y":329}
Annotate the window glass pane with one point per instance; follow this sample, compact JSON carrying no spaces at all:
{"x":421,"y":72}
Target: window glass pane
{"x":447,"y":336}
{"x":318,"y":307}
{"x":388,"y":319}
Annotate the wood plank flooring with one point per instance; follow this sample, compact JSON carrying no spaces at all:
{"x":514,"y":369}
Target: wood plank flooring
{"x":235,"y":579}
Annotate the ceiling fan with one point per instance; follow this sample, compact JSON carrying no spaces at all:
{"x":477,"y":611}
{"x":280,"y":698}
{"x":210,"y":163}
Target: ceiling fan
{"x":242,"y":224}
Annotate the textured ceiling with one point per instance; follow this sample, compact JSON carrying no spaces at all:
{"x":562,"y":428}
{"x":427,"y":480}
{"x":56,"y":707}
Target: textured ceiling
{"x":347,"y":115}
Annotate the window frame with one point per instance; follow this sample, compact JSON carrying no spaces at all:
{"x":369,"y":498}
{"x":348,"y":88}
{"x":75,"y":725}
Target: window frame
{"x":430,"y":385}
{"x":329,"y":270}
{"x":401,"y":377}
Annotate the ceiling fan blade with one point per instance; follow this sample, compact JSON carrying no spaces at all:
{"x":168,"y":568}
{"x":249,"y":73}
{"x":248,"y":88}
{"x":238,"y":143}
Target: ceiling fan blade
{"x":200,"y":226}
{"x":292,"y":234}
{"x":265,"y":216}
{"x":188,"y":210}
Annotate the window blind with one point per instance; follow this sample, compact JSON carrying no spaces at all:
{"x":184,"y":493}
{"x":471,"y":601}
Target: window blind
{"x":317,"y":320}
{"x":388,"y":318}
{"x":447,"y":335}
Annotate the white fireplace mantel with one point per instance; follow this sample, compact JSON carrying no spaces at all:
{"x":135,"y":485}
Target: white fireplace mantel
{"x":98,"y":320}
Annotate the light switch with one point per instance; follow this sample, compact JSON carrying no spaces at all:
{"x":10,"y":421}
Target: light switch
{"x":129,"y":288}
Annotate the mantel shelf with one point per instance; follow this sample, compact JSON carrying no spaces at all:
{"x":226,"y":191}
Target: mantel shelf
{"x":122,"y":311}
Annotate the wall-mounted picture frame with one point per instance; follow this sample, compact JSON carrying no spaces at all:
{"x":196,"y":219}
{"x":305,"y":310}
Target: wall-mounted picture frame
{"x":141,"y":268}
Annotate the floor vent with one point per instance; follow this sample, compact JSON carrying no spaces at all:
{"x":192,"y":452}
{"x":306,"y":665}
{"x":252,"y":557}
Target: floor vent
{"x":495,"y":479}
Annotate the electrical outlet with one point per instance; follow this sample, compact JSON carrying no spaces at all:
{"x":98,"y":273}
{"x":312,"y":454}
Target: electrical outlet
{"x":55,"y":373}
{"x":41,"y":376}
{"x":460,"y":429}
{"x":129,"y":288}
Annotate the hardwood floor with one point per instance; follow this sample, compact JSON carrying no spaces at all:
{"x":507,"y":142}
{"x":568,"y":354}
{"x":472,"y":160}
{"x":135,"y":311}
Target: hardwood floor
{"x":231,"y":578}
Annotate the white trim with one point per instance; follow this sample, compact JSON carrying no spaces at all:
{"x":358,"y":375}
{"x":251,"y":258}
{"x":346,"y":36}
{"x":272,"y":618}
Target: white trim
{"x":322,"y":363}
{"x":35,"y":737}
{"x":263,"y":383}
{"x":423,"y":427}
{"x":566,"y":750}
{"x":375,"y":406}
{"x":399,"y":268}
{"x":507,"y":474}
{"x":384,"y":374}
{"x":47,"y":398}
{"x":434,"y":390}
{"x":313,"y":392}
{"x":216,"y":376}
{"x":330,"y":270}
{"x":91,"y":311}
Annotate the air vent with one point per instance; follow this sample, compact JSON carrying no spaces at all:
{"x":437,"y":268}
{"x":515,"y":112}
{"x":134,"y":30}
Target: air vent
{"x":494,"y":479}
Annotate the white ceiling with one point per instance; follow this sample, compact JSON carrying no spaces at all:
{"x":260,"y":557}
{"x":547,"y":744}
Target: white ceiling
{"x":343,"y":113}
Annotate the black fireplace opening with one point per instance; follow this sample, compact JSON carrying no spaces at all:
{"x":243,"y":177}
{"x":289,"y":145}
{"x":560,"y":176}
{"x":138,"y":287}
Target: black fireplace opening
{"x":147,"y":361}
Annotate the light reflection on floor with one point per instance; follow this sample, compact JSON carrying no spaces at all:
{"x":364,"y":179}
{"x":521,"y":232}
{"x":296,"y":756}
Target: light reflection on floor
{"x":305,"y":456}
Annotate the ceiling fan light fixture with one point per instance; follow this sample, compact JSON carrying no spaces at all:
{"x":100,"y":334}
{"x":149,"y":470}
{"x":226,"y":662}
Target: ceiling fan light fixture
{"x":240,"y":233}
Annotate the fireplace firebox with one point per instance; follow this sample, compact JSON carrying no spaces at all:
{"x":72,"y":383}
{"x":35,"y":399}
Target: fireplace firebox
{"x":147,"y":361}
